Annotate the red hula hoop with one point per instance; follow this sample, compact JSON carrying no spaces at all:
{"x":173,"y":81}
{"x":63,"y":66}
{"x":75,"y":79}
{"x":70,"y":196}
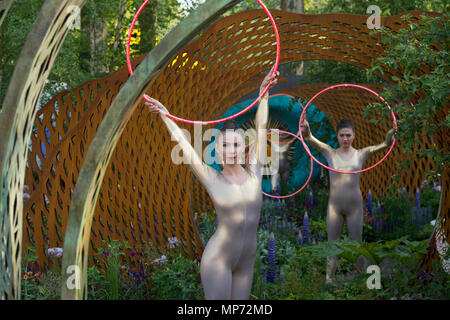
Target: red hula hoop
{"x":307,"y":181}
{"x":277,"y":60}
{"x":303,"y":116}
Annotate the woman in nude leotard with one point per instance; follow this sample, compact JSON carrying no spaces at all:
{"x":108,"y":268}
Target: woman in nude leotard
{"x":345,"y":200}
{"x":227,"y":262}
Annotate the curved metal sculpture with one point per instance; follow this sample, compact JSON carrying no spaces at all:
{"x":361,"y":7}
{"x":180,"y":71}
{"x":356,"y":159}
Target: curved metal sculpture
{"x":84,"y":198}
{"x":16,"y":120}
{"x":143,"y":196}
{"x":4,"y":7}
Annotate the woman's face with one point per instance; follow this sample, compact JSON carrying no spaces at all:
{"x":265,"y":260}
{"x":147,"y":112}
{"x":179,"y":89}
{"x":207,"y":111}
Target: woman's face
{"x":345,"y":137}
{"x":230,"y":147}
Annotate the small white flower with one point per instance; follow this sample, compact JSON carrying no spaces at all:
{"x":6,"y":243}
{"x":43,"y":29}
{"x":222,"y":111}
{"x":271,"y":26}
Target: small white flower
{"x":55,"y":252}
{"x":173,"y":242}
{"x":161,"y":260}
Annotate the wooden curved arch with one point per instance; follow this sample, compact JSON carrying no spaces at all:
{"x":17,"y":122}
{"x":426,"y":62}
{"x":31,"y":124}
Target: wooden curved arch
{"x":16,"y":122}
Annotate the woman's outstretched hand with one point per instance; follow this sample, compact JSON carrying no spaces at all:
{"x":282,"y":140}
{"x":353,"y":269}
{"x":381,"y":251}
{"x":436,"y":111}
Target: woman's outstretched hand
{"x":389,"y":136}
{"x":268,"y":79}
{"x":155,"y":106}
{"x":305,"y":129}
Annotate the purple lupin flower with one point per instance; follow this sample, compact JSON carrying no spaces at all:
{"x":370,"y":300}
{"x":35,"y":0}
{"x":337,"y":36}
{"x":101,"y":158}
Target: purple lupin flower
{"x":141,"y":271}
{"x":320,"y":236}
{"x":305,"y":230}
{"x":277,"y":193}
{"x":300,"y":239}
{"x":418,"y":199}
{"x":379,"y":214}
{"x":436,"y":187}
{"x":271,"y":258}
{"x":379,"y":210}
{"x":378,"y":223}
{"x":196,"y":221}
{"x":369,"y":204}
{"x":403,"y":191}
{"x":309,"y":202}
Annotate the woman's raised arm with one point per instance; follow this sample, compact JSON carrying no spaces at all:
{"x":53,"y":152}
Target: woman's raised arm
{"x":323,"y":148}
{"x":367,"y":152}
{"x":262,"y":114}
{"x":202,"y":171}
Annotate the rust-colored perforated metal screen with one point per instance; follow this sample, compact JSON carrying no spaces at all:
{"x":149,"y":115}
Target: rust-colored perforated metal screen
{"x":144,"y":196}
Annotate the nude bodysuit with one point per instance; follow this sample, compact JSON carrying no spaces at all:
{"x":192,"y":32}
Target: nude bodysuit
{"x":345,"y":200}
{"x":227,"y":262}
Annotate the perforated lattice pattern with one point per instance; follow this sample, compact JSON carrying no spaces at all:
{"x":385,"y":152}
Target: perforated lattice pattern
{"x":16,"y":122}
{"x":144,"y":195}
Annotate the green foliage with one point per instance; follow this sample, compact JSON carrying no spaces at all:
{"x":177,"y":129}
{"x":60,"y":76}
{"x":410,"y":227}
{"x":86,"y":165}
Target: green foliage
{"x":328,"y":71}
{"x":400,"y":218}
{"x":335,"y":72}
{"x":176,"y":277}
{"x":13,"y":33}
{"x":94,"y":50}
{"x":113,"y":257}
{"x":407,"y":282}
{"x":430,"y":197}
{"x":30,"y":255}
{"x":388,"y":7}
{"x":206,"y":224}
{"x":98,"y":286}
{"x":49,"y":286}
{"x":318,"y":226}
{"x":410,"y":51}
{"x":401,"y":250}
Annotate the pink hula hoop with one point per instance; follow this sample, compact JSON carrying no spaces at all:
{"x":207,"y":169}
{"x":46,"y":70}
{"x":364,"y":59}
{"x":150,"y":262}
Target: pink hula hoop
{"x":307,"y":181}
{"x":303,"y":116}
{"x":277,"y":60}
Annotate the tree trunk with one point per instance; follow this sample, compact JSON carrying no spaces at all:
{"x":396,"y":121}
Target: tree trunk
{"x":93,"y":41}
{"x":119,"y":24}
{"x":113,"y":63}
{"x":92,"y":47}
{"x":85,"y":39}
{"x":101,"y":43}
{"x":147,"y":25}
{"x":297,"y":6}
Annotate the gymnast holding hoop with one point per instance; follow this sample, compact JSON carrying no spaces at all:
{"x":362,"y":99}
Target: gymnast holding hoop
{"x":226,"y":267}
{"x":345,"y":200}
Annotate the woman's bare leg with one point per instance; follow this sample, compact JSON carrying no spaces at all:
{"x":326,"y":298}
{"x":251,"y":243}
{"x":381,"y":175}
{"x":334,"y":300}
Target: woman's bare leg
{"x":355,"y":229}
{"x":216,"y":279}
{"x":242,"y":279}
{"x":335,"y":223}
